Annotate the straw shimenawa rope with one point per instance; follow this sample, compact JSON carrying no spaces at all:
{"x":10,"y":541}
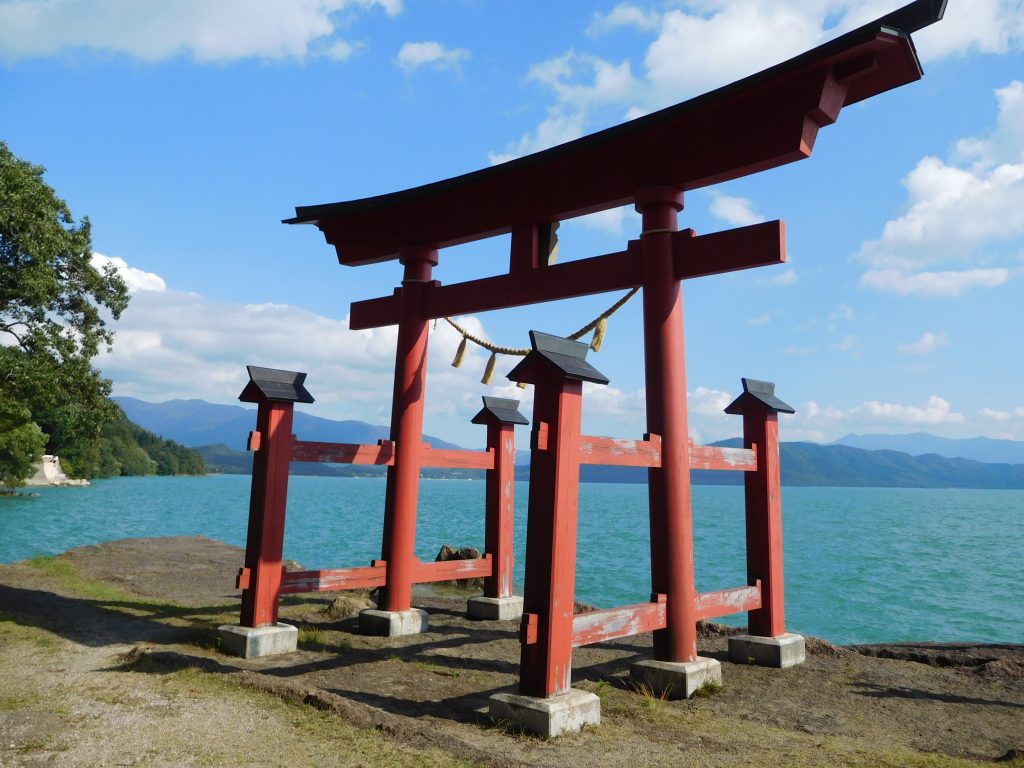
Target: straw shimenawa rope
{"x":599,"y":325}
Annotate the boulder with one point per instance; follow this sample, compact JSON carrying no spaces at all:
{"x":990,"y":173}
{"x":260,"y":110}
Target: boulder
{"x":448,"y":552}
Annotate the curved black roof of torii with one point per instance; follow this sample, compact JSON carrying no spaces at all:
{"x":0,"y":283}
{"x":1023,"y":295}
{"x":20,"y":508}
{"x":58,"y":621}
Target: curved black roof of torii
{"x":702,"y":141}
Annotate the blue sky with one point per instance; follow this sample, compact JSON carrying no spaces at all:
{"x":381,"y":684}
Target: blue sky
{"x":186,"y":130}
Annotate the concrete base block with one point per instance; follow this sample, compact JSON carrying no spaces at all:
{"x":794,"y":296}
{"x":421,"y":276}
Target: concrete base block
{"x":393,"y":623}
{"x":252,"y":642}
{"x":565,"y":713}
{"x":677,"y":679}
{"x":495,"y":608}
{"x":783,"y":651}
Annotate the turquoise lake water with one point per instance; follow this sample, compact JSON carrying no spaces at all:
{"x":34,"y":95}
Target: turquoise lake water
{"x":862,"y":564}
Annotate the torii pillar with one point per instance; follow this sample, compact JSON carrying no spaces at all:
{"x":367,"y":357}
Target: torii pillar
{"x":395,"y":614}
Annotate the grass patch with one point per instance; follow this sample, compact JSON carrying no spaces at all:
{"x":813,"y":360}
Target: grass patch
{"x":66,"y":574}
{"x":651,"y":701}
{"x":709,"y":688}
{"x":12,"y":702}
{"x":298,"y":733}
{"x":510,"y":728}
{"x":12,"y":631}
{"x":312,"y":635}
{"x":199,"y":622}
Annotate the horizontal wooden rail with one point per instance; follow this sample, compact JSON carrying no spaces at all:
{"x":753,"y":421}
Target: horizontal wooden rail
{"x":647,"y":453}
{"x":344,"y":453}
{"x":599,"y":626}
{"x":711,"y":605}
{"x":368,"y":577}
{"x":446,"y":570}
{"x":620,"y":453}
{"x":456,"y":458}
{"x":711,"y":457}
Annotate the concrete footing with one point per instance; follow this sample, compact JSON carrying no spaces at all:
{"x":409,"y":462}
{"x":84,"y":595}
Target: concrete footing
{"x":252,"y":642}
{"x":786,"y":650}
{"x":393,"y":623}
{"x":495,"y":608}
{"x":565,"y":713}
{"x":677,"y":679}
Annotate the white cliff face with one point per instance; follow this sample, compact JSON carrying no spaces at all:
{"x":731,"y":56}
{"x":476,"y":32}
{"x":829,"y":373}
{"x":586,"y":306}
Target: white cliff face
{"x":49,"y":472}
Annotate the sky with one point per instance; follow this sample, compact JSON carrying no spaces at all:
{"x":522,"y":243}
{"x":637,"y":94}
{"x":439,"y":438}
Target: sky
{"x":187,"y":130}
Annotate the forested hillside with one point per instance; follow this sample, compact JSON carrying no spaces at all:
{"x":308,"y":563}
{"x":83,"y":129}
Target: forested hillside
{"x":128,"y":449}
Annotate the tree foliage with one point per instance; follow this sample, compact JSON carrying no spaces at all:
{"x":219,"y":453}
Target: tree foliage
{"x":21,"y":442}
{"x":128,"y":449}
{"x":54,"y":308}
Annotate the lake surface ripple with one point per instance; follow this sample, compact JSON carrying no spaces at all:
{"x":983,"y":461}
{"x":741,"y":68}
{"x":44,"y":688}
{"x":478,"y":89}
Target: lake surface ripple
{"x":862,"y":564}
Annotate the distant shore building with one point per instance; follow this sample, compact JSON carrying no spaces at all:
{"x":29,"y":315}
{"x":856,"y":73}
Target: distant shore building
{"x":49,"y":472}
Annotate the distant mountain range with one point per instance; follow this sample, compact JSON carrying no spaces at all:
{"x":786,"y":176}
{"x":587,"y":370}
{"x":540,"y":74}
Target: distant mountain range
{"x":194,"y":423}
{"x":984,"y":449}
{"x":220,"y":431}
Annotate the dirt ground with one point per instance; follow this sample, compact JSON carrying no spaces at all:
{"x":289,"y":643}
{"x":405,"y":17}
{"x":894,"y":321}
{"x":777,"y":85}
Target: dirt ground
{"x":108,"y":656}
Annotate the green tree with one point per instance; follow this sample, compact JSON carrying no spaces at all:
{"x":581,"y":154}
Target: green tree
{"x":54,"y":306}
{"x":21,"y":442}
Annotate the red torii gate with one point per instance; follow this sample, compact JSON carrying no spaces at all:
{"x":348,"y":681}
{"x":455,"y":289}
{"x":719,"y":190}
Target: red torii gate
{"x":761,"y":122}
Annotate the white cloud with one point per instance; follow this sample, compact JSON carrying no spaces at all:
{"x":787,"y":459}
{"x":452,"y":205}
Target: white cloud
{"x":152,"y":30}
{"x":947,"y":284}
{"x":824,"y":415}
{"x":968,"y":210}
{"x":135,"y":279}
{"x":760,"y":319}
{"x":624,"y":15}
{"x":929,"y":342}
{"x":874,"y":415}
{"x":708,"y":402}
{"x":788,"y":276}
{"x":613,"y":221}
{"x":995,"y":415}
{"x":172,"y":344}
{"x":984,"y":26}
{"x":582,"y":84}
{"x":342,"y":50}
{"x":557,"y":128}
{"x":935,"y":411}
{"x":738,"y":211}
{"x":430,"y":53}
{"x":695,"y":52}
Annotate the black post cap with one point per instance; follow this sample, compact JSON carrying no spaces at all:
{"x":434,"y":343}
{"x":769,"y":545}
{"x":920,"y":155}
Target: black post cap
{"x":501,"y":410}
{"x":760,"y":393}
{"x":567,"y":356}
{"x":272,"y":384}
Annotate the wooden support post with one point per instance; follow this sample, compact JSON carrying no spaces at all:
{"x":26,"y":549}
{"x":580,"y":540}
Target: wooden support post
{"x":764,"y":522}
{"x":760,"y":409}
{"x":549,"y":589}
{"x":557,"y":368}
{"x":276,"y":393}
{"x":267,"y":502}
{"x":500,"y":510}
{"x":406,"y":432}
{"x":500,"y":415}
{"x":665,"y":370}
